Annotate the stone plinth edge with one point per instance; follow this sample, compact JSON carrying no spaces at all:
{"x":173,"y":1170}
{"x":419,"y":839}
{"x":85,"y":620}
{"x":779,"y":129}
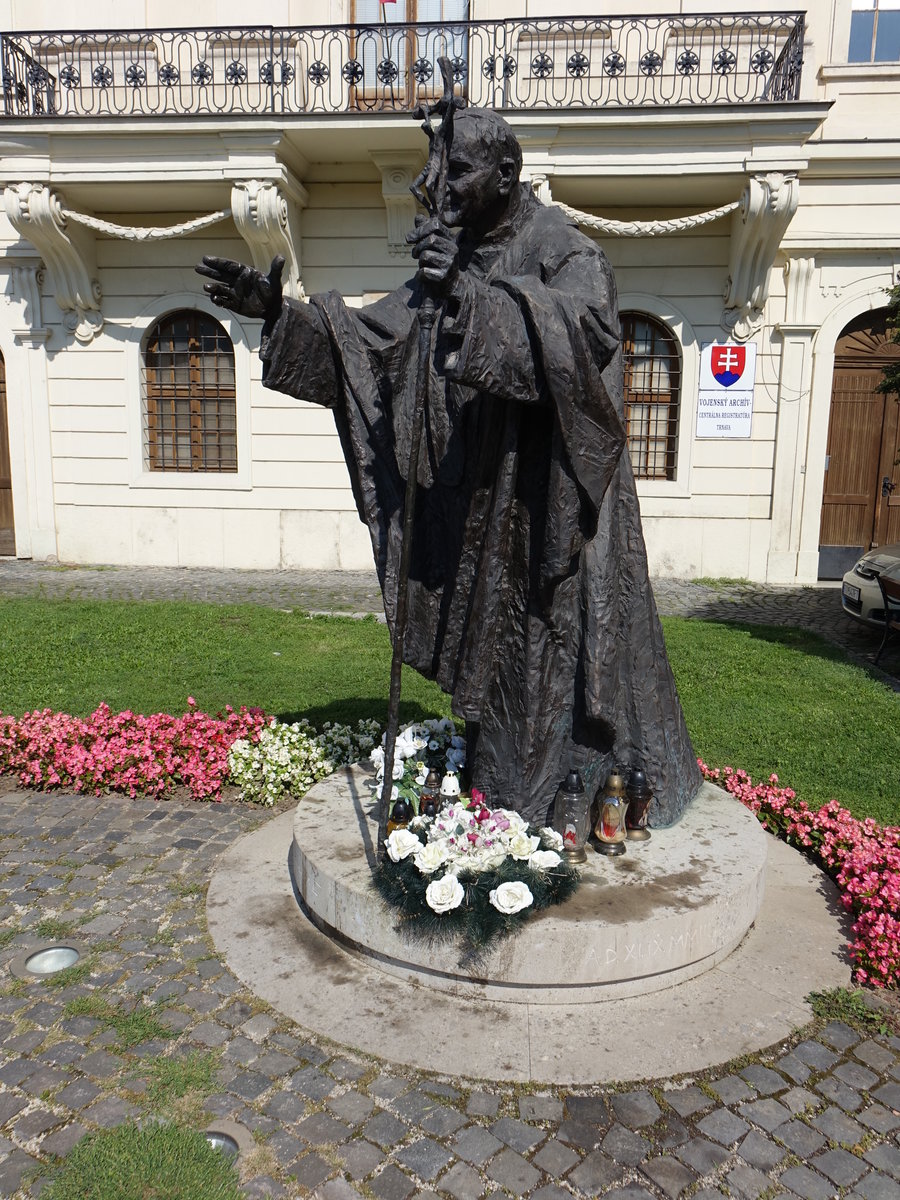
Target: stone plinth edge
{"x":666,"y":911}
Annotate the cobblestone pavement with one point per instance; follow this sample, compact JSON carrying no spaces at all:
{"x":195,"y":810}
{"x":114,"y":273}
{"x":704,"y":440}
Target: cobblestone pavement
{"x":816,"y":1117}
{"x":816,"y":608}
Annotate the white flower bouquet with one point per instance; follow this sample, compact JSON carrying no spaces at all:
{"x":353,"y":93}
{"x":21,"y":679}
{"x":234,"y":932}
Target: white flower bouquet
{"x":472,"y":873}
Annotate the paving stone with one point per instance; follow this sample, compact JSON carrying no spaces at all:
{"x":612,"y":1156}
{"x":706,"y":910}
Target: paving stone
{"x":262,"y":1187}
{"x":592,"y":1109}
{"x":838,"y":1127}
{"x":580,"y":1133}
{"x":258,"y":1028}
{"x":879,"y":1118}
{"x":34,"y":1123}
{"x":551,"y":1191}
{"x":889,"y":1095}
{"x":796,"y":1070}
{"x":874,"y":1055}
{"x":101,"y":1065}
{"x":517,"y":1134}
{"x":337,"y":1189}
{"x":342,"y":1068}
{"x":746,"y":1182}
{"x":241,"y":1050}
{"x":351,"y":1107}
{"x":767,"y":1113}
{"x":806,"y":1183}
{"x":14,"y":1169}
{"x":360,"y":1158}
{"x":704,"y":1156}
{"x":625,"y":1146}
{"x":61,"y":1142}
{"x":760,"y":1151}
{"x":285,"y":1146}
{"x":482,"y":1104}
{"x":210,"y":1033}
{"x":311,"y":1170}
{"x":839,"y":1035}
{"x":636,"y":1109}
{"x":249,"y":1085}
{"x":856,"y":1076}
{"x":876,"y":1186}
{"x":286,"y":1107}
{"x":312,"y":1083}
{"x":688,"y":1101}
{"x":556,"y":1158}
{"x":800,"y":1138}
{"x":461,"y":1182}
{"x":799,"y":1100}
{"x":669,"y":1174}
{"x":110,"y":1111}
{"x":48,"y":1079}
{"x":429,"y":1114}
{"x":631,"y":1191}
{"x":475,"y":1144}
{"x":595,"y":1173}
{"x":275,"y":1064}
{"x":425,"y":1158}
{"x":392,"y":1184}
{"x":731,"y":1089}
{"x":764,"y":1080}
{"x":723,"y":1126}
{"x":321,"y":1129}
{"x":815,"y":1055}
{"x":79,"y":1093}
{"x":841,"y":1167}
{"x":12,"y":1073}
{"x":670,"y":1133}
{"x":384,"y":1129}
{"x":838,"y":1093}
{"x":513,"y":1172}
{"x":885,"y":1158}
{"x":540,"y":1108}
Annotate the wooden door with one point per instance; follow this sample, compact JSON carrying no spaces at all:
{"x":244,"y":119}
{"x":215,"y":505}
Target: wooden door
{"x":7,"y":528}
{"x":858,"y":509}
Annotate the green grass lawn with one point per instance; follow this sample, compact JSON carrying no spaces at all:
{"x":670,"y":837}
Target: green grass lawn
{"x":763,"y":699}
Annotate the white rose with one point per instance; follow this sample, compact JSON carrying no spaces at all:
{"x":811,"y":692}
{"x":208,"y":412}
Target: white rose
{"x":543,"y":860}
{"x":522,"y":846}
{"x":487,"y":859}
{"x":445,"y":893}
{"x":401,"y":844}
{"x":429,"y":858}
{"x":511,"y":897}
{"x":552,"y":839}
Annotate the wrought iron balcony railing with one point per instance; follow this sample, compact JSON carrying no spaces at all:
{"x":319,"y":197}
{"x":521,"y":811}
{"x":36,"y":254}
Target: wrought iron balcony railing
{"x":532,"y":63}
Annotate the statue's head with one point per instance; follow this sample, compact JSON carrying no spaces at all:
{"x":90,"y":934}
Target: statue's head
{"x":484,"y":163}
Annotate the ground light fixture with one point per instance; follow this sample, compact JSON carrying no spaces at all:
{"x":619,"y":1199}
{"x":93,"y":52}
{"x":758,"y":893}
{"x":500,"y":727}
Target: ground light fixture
{"x":46,"y":958}
{"x":230,"y":1138}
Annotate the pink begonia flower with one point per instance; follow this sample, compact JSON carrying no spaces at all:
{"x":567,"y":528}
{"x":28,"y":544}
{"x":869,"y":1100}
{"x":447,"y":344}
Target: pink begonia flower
{"x":862,"y":857}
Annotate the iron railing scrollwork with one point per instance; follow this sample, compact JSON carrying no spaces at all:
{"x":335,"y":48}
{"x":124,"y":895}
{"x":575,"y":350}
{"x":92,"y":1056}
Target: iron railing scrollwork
{"x":527,"y":63}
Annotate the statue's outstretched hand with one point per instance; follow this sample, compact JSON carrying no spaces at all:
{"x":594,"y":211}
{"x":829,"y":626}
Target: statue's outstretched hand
{"x":241,"y":289}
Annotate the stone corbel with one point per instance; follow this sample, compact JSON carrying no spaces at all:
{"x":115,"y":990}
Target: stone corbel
{"x":23,"y":293}
{"x":269,"y":224}
{"x":36,"y":215}
{"x":767,"y":205}
{"x":798,"y":275}
{"x":398,"y":171}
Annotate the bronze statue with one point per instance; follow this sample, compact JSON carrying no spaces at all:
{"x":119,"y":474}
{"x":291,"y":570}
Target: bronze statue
{"x":529,"y":600}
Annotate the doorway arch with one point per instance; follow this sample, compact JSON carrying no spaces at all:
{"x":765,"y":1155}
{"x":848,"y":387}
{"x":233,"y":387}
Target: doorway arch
{"x":861,"y":498}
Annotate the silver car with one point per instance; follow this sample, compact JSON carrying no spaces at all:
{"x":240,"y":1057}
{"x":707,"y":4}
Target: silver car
{"x":860,"y":593}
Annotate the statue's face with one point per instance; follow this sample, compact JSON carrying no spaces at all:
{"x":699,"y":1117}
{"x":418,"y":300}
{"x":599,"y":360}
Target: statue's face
{"x":478,"y":179}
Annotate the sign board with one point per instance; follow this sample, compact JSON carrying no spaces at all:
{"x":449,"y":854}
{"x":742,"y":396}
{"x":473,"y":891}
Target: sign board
{"x":727,"y":377}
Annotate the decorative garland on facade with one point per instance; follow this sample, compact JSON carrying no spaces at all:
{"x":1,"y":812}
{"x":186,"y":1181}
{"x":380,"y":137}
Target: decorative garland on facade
{"x":146,"y":233}
{"x":156,"y":233}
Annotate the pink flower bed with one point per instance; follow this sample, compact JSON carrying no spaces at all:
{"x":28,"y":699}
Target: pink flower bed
{"x":862,"y":857}
{"x":125,"y":752}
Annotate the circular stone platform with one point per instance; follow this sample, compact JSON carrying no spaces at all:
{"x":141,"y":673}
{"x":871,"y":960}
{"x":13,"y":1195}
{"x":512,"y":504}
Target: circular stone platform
{"x":665,"y":911}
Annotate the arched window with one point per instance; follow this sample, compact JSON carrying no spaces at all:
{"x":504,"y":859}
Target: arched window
{"x":189,"y":407}
{"x":652,"y":389}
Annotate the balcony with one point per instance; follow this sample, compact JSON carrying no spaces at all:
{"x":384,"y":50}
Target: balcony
{"x":547,"y":63}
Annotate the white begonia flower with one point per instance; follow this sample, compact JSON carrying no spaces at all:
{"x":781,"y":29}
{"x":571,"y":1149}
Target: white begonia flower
{"x":511,"y":897}
{"x":552,"y":839}
{"x":428,"y":858}
{"x":444,"y":894}
{"x":401,"y":843}
{"x":521,"y":845}
{"x":543,"y":860}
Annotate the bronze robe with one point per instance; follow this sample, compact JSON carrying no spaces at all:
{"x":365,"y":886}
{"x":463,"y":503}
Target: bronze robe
{"x":529,"y":600}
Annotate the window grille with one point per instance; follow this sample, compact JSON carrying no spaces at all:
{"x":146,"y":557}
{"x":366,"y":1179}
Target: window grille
{"x":189,"y":399}
{"x":652,"y":390}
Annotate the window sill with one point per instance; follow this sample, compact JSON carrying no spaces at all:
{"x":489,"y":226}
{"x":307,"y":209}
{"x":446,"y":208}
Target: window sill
{"x":213,"y":481}
{"x":847,"y":72}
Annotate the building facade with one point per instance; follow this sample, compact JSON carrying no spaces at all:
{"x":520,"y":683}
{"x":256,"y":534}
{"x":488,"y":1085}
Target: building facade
{"x":740,"y":170}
